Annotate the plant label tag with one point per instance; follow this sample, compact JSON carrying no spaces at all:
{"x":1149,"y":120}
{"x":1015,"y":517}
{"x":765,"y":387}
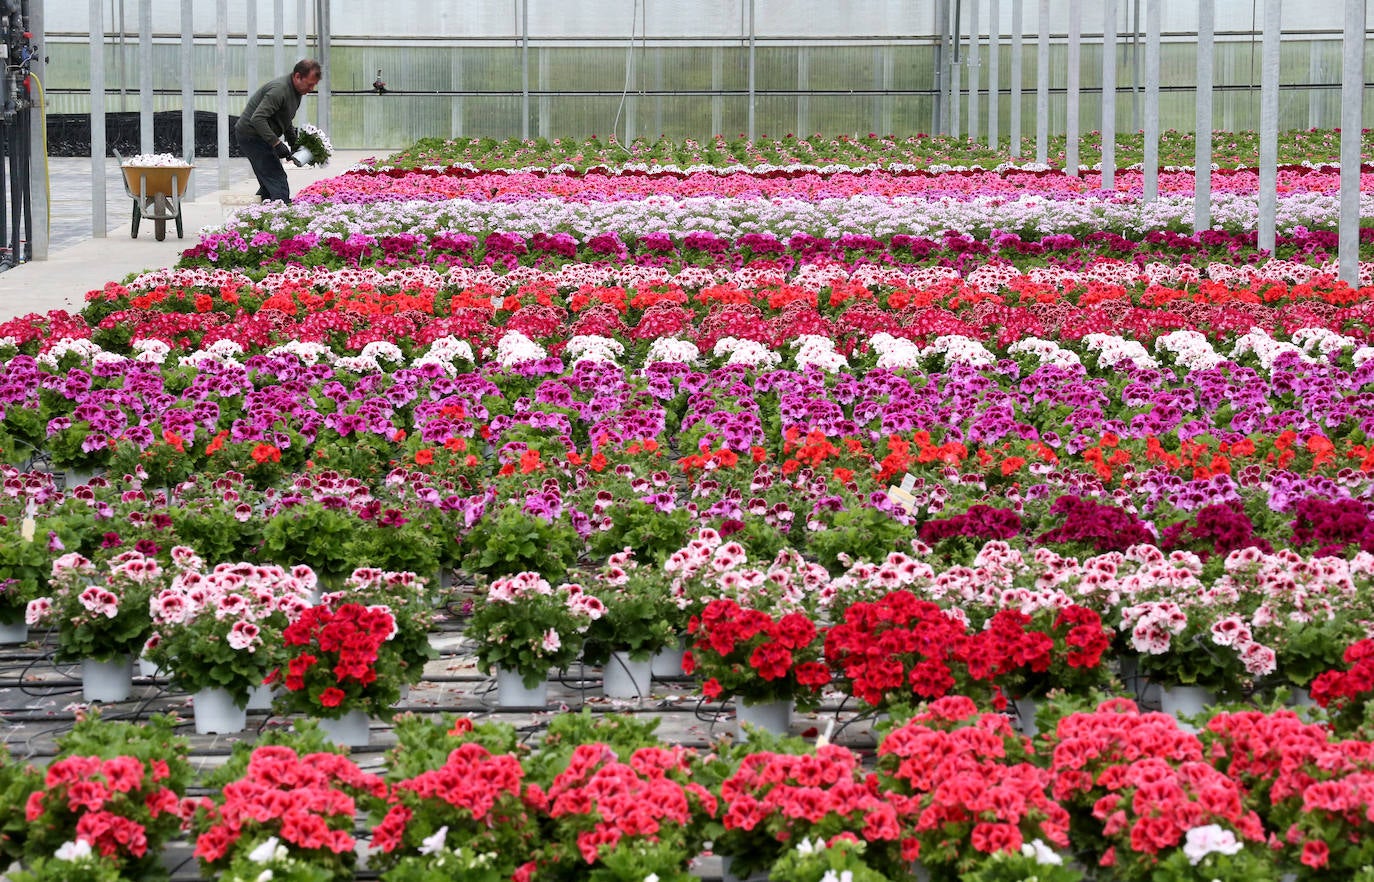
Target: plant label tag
{"x":899,"y":497}
{"x":908,"y":482}
{"x":26,"y":528}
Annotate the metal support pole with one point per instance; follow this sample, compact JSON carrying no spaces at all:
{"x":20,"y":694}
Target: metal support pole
{"x":302,"y":33}
{"x":278,"y":37}
{"x":324,"y":25}
{"x":937,"y":124}
{"x":1151,"y":183}
{"x":1269,"y":123}
{"x":956,"y":90}
{"x":803,"y":99}
{"x":1109,"y":94}
{"x":1075,"y":62}
{"x":752,"y":70}
{"x":188,"y":83}
{"x":1352,"y":121}
{"x":1202,"y":124}
{"x":145,"y":76}
{"x":222,"y":89}
{"x":38,"y":189}
{"x":97,"y":27}
{"x":1017,"y":11}
{"x":994,"y":71}
{"x":525,"y":69}
{"x":973,"y":33}
{"x":1042,"y":85}
{"x":250,"y":47}
{"x":1136,"y":124}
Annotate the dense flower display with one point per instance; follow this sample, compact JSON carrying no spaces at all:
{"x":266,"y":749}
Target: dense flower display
{"x":878,"y":432}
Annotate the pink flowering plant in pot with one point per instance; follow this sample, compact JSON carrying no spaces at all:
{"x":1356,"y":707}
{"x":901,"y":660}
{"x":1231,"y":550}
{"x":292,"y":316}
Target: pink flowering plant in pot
{"x":525,"y":624}
{"x":222,"y":629}
{"x":98,"y":616}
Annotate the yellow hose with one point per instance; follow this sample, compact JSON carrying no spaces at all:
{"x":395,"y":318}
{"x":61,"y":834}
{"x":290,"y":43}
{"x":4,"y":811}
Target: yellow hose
{"x":43,"y":127}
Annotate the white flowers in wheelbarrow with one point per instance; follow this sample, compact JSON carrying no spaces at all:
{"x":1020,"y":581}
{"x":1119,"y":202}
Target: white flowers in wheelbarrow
{"x":313,"y":146}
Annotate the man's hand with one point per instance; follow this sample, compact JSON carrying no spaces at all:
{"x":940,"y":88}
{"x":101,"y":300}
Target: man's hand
{"x":282,"y":149}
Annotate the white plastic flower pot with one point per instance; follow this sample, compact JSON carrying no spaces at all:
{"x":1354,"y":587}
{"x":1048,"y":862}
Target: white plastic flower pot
{"x":302,"y":156}
{"x":1025,"y":715}
{"x":774,"y":717}
{"x":14,"y":632}
{"x":623,"y":677}
{"x":511,"y":691}
{"x":107,"y":680}
{"x":260,"y":699}
{"x":216,"y":714}
{"x":148,"y":668}
{"x":667,"y":662}
{"x":353,"y":729}
{"x":1185,"y":701}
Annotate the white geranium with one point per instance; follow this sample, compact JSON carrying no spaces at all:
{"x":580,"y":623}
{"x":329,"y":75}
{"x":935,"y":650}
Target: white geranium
{"x":86,"y":349}
{"x":155,"y":160}
{"x":73,"y":851}
{"x":307,"y":352}
{"x":1042,"y":853}
{"x":1190,"y":350}
{"x":673,"y":350}
{"x":1045,"y":351}
{"x":820,"y":351}
{"x":895,"y":352}
{"x":1209,"y":839}
{"x":956,"y":347}
{"x":591,"y":347}
{"x":515,"y":348}
{"x":1112,"y":350}
{"x":151,"y":351}
{"x":746,"y":352}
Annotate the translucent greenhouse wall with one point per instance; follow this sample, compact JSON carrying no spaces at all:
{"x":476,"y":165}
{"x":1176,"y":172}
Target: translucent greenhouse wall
{"x":682,"y":68}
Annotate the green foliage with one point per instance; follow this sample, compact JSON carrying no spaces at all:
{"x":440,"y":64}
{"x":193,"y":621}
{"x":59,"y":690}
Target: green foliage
{"x":87,"y":868}
{"x":640,"y":527}
{"x":1021,"y":867}
{"x":815,"y":862}
{"x":858,"y":534}
{"x":423,"y":742}
{"x":512,"y":541}
{"x":623,"y":733}
{"x":311,"y":534}
{"x":17,"y":781}
{"x":24,"y":564}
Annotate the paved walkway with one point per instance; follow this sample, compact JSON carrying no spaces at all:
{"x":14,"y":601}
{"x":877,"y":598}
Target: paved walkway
{"x":78,"y":262}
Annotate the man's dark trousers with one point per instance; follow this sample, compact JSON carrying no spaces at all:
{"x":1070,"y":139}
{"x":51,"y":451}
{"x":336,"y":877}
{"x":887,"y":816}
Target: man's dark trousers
{"x":272,"y":182}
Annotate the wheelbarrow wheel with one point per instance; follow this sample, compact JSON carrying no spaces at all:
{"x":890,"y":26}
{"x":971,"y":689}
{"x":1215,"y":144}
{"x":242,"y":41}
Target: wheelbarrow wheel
{"x":138,"y":215}
{"x":161,"y":210}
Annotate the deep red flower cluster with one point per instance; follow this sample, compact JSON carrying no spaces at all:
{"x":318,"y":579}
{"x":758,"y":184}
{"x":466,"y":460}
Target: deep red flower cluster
{"x":1348,"y":693}
{"x":336,"y":651}
{"x":1023,"y":655}
{"x":898,"y":649}
{"x":748,"y":653}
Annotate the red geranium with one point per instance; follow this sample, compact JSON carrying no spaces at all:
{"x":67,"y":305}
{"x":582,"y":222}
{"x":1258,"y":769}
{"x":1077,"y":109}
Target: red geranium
{"x":748,"y":653}
{"x":342,"y":658}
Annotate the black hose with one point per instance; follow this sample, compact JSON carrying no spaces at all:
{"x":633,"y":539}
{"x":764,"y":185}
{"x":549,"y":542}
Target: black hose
{"x":25,"y":181}
{"x":16,"y":206}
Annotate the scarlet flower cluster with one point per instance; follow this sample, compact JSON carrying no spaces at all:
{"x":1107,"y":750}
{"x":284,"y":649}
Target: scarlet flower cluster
{"x":1347,"y":694}
{"x":1143,"y":782}
{"x":774,"y":799}
{"x":600,"y":803}
{"x":1021,"y":659}
{"x":898,"y":650}
{"x":476,"y":794}
{"x":336,"y":654}
{"x":307,"y":801}
{"x":111,"y":802}
{"x":750,"y":654}
{"x":960,"y":777}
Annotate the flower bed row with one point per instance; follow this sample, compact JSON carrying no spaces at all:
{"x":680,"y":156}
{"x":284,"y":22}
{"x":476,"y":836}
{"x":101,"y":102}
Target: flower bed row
{"x":366,"y":185}
{"x":1174,"y":149}
{"x":1031,"y":217}
{"x":1108,"y":793}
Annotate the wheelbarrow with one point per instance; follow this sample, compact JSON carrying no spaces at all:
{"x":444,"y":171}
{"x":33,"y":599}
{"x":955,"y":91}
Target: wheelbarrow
{"x":156,"y":191}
